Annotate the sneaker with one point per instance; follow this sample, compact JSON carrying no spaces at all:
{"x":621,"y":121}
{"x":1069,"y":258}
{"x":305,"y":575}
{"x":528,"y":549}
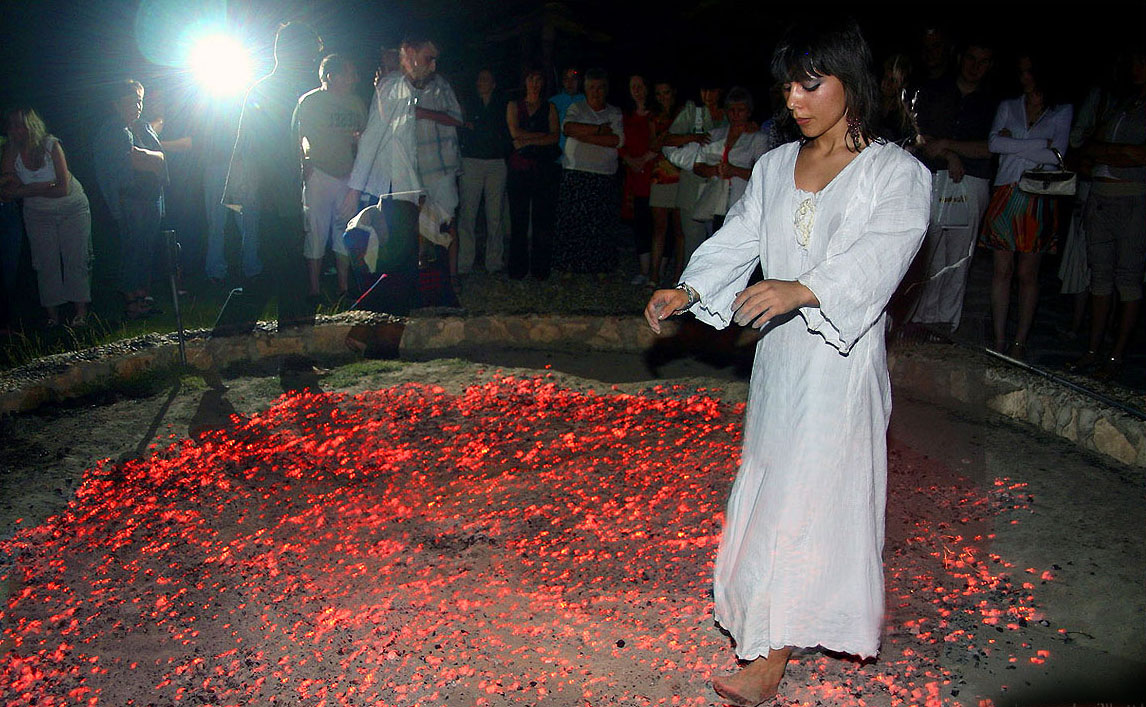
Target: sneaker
{"x":639,"y":279}
{"x":78,"y":321}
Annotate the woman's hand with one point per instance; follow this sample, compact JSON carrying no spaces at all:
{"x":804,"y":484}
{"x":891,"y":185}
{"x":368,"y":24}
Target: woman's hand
{"x":766,"y":300}
{"x":704,"y":170}
{"x":729,"y":171}
{"x":662,"y":305}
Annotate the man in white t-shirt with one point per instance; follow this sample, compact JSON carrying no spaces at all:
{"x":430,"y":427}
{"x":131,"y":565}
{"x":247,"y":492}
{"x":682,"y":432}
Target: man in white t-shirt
{"x":330,"y":119}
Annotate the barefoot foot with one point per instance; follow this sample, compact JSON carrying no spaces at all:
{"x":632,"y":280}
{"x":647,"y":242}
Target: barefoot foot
{"x":755,"y":683}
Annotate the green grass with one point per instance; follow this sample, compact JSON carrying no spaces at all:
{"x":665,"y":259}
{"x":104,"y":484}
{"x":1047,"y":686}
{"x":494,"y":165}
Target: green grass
{"x":30,"y":341}
{"x":353,"y":373}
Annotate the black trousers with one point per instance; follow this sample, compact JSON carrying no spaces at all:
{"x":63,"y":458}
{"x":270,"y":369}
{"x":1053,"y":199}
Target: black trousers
{"x":284,"y":275}
{"x":397,"y":292}
{"x":531,"y":191}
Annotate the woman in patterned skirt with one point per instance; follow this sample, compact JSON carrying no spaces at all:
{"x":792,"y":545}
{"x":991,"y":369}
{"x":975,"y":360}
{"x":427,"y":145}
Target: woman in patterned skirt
{"x":1019,"y":226}
{"x":587,"y":208}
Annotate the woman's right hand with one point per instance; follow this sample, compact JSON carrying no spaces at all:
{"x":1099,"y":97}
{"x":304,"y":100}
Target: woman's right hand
{"x":662,"y":305}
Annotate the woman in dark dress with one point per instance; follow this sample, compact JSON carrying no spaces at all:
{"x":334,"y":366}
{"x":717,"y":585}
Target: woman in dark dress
{"x":532,"y":181}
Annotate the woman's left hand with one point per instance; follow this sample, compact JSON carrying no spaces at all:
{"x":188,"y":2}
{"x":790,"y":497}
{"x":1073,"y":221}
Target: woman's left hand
{"x":765,"y":300}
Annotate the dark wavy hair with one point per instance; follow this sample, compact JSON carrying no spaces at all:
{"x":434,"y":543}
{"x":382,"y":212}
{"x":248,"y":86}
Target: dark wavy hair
{"x":1047,"y":75}
{"x":813,"y":49}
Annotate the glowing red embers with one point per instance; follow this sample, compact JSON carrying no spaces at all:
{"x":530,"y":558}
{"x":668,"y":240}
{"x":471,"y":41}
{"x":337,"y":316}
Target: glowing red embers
{"x":512,"y":544}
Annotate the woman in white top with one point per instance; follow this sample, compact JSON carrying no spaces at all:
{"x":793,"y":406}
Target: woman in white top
{"x":833,"y":220}
{"x":726,"y":160}
{"x":56,"y":215}
{"x":587,"y":206}
{"x":1020,"y":226}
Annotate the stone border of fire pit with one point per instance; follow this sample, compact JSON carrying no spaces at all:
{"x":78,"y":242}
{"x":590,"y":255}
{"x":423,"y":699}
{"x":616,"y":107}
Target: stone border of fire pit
{"x":939,"y":373}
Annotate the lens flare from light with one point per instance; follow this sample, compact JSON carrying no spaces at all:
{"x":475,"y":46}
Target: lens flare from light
{"x":220,"y":64}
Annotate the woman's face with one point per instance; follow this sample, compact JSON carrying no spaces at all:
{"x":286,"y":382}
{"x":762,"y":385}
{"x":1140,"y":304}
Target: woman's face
{"x":893,"y":81}
{"x":665,"y":95}
{"x":1026,"y":75}
{"x":638,"y":90}
{"x":533,"y":84}
{"x":818,"y":104}
{"x":738,"y":113}
{"x":485,"y":83}
{"x":129,"y":107}
{"x":569,"y":81}
{"x":710,"y":96}
{"x":595,"y":90}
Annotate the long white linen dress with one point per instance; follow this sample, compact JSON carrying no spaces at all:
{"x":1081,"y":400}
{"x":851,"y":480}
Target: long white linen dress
{"x":800,"y":560}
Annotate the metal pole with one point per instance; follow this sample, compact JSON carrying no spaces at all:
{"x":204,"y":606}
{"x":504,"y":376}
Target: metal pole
{"x":172,"y":247}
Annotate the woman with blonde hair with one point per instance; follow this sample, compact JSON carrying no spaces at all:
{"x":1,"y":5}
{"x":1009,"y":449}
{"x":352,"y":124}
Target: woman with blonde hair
{"x":57,"y":218}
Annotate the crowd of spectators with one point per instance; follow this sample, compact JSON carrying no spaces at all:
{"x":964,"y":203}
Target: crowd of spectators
{"x":558,"y":171}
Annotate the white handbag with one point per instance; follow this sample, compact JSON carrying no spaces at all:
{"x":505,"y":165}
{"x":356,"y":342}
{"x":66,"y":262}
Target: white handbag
{"x":1049,"y":182}
{"x":713,"y":199}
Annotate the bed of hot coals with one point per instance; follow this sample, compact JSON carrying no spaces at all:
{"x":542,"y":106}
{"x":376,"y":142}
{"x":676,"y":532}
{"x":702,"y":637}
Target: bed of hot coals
{"x":518,"y":543}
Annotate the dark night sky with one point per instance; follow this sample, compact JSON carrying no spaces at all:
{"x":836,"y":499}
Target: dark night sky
{"x":59,"y":53}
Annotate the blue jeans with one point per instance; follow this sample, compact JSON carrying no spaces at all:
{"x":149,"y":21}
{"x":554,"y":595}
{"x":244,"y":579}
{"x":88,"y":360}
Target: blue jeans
{"x":214,"y":177}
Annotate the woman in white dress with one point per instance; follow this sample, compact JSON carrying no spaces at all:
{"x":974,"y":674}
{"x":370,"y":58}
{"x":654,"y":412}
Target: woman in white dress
{"x":833,"y":220}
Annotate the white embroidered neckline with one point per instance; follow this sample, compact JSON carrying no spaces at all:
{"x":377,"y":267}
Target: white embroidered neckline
{"x":804,"y":218}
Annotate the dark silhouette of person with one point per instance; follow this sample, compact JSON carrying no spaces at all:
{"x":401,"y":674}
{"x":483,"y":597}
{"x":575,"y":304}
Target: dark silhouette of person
{"x":266,"y":171}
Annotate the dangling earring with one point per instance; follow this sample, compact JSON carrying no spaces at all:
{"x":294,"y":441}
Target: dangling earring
{"x":854,"y":131}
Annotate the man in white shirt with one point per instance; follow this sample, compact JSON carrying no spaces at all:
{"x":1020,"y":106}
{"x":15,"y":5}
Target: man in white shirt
{"x":408,"y":156}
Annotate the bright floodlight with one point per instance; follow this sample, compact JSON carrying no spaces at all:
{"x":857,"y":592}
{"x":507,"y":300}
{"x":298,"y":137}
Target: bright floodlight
{"x":220,"y":64}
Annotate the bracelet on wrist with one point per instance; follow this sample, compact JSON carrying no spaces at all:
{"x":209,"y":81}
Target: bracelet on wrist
{"x":693,"y":296}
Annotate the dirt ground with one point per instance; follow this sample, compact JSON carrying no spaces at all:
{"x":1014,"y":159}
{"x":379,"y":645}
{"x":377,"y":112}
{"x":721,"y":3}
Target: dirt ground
{"x":450,"y":532}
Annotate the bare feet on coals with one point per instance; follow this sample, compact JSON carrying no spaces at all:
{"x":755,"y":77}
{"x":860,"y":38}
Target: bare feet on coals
{"x":756,"y":682}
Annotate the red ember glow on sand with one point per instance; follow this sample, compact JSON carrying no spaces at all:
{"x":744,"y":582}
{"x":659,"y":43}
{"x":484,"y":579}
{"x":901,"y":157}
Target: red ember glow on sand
{"x":518,"y":543}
